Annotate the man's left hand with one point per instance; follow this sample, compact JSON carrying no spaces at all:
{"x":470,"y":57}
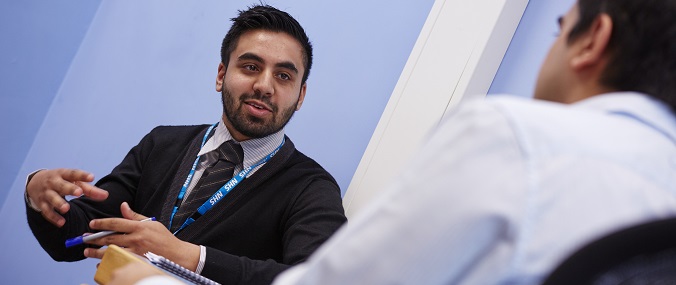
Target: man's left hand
{"x":141,"y":237}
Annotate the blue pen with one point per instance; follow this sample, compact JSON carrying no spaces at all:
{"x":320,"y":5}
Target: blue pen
{"x":85,"y":238}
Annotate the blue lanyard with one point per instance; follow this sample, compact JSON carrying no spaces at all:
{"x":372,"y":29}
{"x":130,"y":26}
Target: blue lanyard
{"x":224,"y":190}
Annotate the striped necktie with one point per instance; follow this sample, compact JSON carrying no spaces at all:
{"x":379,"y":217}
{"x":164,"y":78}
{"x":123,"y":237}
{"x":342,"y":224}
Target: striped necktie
{"x":230,"y":154}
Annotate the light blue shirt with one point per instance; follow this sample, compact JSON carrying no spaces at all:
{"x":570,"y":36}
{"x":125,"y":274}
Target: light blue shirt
{"x":506,"y":188}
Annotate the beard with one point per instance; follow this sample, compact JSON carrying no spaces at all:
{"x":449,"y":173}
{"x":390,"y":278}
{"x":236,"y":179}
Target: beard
{"x":251,"y":126}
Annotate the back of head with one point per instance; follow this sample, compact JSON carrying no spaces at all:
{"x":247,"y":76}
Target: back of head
{"x":642,"y":46}
{"x":265,"y":17}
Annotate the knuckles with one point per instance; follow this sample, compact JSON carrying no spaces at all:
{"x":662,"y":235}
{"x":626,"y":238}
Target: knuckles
{"x":52,"y":181}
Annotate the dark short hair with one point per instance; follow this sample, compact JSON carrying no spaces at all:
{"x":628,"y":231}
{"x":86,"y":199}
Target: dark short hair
{"x":266,"y":17}
{"x":642,"y":46}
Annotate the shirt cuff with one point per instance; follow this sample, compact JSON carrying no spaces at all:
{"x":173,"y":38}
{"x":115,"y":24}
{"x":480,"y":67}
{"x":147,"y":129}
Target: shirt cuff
{"x":28,"y":200}
{"x":203,"y":257}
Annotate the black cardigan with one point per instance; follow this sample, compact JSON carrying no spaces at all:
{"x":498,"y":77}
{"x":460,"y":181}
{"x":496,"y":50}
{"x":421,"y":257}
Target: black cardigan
{"x":274,"y":219}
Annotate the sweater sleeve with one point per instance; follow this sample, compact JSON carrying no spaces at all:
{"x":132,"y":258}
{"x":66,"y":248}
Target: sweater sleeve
{"x":120,"y":183}
{"x":314,"y":215}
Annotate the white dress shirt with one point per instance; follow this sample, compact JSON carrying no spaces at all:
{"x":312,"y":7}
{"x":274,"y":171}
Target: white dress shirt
{"x":506,"y":188}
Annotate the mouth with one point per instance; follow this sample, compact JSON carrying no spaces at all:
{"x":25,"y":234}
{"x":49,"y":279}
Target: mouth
{"x":258,"y":105}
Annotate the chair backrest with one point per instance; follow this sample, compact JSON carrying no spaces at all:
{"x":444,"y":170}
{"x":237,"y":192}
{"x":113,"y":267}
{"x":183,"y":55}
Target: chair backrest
{"x":641,"y":254}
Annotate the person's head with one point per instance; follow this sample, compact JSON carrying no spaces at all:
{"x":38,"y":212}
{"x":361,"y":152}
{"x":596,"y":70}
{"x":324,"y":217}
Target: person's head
{"x":613,"y":45}
{"x":265,"y":61}
{"x":265,"y":17}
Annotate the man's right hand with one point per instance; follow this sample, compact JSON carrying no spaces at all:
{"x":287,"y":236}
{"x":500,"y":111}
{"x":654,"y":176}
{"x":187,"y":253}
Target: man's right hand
{"x":47,"y":189}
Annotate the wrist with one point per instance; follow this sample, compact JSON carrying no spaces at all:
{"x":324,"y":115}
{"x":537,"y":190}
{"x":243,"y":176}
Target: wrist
{"x":30,"y":202}
{"x":189,"y":256}
{"x":27,"y":197}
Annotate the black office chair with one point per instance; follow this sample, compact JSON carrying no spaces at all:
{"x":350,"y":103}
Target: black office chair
{"x":642,"y":254}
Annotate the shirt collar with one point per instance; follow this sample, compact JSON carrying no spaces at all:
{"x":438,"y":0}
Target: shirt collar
{"x":638,"y":106}
{"x":254,"y":149}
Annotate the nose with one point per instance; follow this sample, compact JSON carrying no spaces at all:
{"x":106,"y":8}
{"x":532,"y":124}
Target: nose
{"x":265,"y":84}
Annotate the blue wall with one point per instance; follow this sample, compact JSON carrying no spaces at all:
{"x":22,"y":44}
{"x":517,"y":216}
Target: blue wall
{"x":82,"y":81}
{"x":39,"y":40}
{"x":536,"y":32}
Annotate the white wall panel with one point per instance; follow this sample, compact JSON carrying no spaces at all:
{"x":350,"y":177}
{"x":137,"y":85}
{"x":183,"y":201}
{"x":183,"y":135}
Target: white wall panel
{"x":456,"y":56}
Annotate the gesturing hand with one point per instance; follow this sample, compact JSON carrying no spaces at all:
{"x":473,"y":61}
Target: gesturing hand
{"x":141,"y":237}
{"x":47,"y":189}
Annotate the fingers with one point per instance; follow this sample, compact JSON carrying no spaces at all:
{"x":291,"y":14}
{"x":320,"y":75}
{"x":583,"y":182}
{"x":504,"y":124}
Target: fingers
{"x":47,"y":189}
{"x":128,"y":213}
{"x":52,"y":216}
{"x":73,"y":182}
{"x":49,"y":204}
{"x":132,"y":231}
{"x":135,"y":236}
{"x":60,"y":181}
{"x":116,"y":239}
{"x":93,"y":192}
{"x":94,"y":252}
{"x":112,"y":224}
{"x":46,"y":180}
{"x":128,"y":224}
{"x":68,"y":181}
{"x":75,"y":175}
{"x":121,"y":225}
{"x":133,"y":241}
{"x":53,"y":201}
{"x":76,"y":183}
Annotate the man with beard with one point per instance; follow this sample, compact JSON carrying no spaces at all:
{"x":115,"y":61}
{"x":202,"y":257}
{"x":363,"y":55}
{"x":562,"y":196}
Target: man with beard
{"x":234,"y":201}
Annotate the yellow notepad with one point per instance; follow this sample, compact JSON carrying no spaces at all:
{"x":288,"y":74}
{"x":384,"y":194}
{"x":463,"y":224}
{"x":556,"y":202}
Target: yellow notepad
{"x":113,"y":258}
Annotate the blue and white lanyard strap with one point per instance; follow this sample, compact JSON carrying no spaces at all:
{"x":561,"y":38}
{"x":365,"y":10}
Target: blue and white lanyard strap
{"x":184,"y":188}
{"x":218,"y":196}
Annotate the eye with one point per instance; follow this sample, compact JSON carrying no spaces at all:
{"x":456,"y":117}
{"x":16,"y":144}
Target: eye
{"x":250,"y":67}
{"x":284,"y":76}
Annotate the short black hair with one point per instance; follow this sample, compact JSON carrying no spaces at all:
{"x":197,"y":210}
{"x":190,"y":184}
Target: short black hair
{"x":642,"y":45}
{"x":266,"y":17}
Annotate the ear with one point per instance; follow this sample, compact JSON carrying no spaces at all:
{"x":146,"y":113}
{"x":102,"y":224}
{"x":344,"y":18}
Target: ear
{"x":219,"y":77}
{"x":301,"y":96}
{"x":592,"y":46}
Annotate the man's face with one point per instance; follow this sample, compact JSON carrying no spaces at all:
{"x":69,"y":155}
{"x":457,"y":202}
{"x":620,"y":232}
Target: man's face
{"x":261,"y":87}
{"x":553,"y":83}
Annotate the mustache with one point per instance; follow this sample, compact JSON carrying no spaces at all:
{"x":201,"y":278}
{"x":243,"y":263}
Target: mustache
{"x":258,"y":96}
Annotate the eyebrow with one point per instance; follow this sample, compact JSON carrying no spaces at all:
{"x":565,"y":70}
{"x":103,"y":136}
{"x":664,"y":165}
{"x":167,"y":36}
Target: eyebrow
{"x":284,"y":64}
